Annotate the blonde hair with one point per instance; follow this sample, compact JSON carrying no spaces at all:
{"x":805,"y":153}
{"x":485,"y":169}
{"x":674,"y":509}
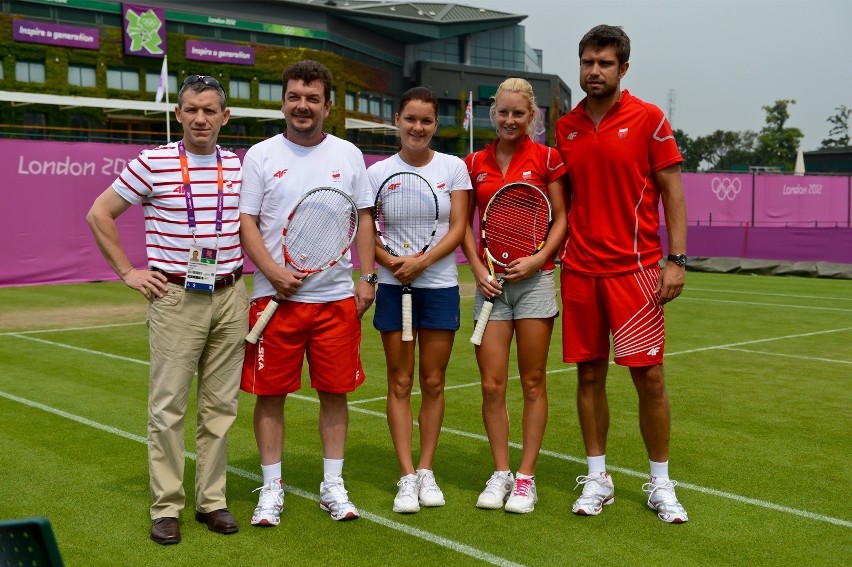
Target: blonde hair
{"x":523,"y":88}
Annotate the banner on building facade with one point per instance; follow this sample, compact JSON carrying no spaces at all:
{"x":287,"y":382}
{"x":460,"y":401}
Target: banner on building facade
{"x":144,"y":30}
{"x":219,"y":52}
{"x":55,"y":34}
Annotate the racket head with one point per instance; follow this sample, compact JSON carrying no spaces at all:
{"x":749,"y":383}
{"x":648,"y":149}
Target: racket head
{"x":406,"y":213}
{"x":319,"y":229}
{"x":515,"y":223}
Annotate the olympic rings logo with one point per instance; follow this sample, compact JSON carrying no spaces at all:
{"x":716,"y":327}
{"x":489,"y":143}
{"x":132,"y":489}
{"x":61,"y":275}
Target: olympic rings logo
{"x":726,"y":188}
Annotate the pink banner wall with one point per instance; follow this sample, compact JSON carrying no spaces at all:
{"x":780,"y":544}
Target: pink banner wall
{"x":801,"y":200}
{"x":47,"y":188}
{"x":778,"y":200}
{"x":790,"y":244}
{"x":717,"y":199}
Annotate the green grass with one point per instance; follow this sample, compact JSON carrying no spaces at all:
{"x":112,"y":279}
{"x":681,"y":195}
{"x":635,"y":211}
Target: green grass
{"x":758,"y":372}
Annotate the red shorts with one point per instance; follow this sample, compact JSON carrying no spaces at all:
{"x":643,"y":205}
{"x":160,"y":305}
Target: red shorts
{"x":330,"y":335}
{"x":625,"y":306}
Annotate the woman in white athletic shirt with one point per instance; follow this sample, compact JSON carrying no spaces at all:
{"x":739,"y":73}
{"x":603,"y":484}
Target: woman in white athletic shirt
{"x":435,"y":298}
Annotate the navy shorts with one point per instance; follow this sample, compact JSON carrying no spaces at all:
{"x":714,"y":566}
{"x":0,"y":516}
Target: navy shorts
{"x":436,"y":309}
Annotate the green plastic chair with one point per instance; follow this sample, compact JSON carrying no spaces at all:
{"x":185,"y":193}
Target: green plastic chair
{"x":30,"y":542}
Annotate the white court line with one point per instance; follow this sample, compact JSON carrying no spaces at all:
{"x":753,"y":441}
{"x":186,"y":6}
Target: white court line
{"x":689,"y":486}
{"x":415,"y":532}
{"x":791,"y":295}
{"x":816,"y":358}
{"x":757,"y":341}
{"x":759,"y":304}
{"x":63,"y":329}
{"x":572,"y":367}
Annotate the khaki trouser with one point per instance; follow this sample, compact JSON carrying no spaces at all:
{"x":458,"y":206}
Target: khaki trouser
{"x":191,"y":331}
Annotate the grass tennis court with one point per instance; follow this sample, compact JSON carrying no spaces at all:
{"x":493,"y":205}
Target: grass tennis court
{"x":759,"y":373}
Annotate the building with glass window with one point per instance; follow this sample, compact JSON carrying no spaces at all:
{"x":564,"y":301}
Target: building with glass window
{"x":90,"y":69}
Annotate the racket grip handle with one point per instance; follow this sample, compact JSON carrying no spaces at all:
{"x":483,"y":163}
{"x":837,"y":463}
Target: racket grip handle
{"x":407,"y":334}
{"x":484,"y":315}
{"x":261,"y":322}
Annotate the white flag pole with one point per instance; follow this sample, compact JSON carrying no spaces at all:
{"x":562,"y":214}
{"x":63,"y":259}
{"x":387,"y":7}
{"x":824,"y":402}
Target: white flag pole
{"x":163,"y":89}
{"x":165,"y":79}
{"x":470,"y":102}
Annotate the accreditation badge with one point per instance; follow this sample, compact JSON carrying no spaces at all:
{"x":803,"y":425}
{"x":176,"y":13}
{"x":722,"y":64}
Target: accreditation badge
{"x":201,"y":269}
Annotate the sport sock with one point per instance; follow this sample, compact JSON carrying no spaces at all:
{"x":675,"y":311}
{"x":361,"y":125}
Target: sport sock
{"x":270,"y":472}
{"x":332,"y":467}
{"x":659,"y":470}
{"x":597,"y":464}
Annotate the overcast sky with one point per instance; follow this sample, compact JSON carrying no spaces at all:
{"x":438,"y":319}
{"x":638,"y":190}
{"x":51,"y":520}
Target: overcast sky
{"x":722,"y":60}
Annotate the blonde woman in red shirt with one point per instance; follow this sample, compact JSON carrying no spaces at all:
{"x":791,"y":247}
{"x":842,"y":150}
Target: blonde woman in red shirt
{"x":524,"y":303}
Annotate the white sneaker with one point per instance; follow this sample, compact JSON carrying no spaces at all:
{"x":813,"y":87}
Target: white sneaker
{"x":662,"y":498}
{"x":598,"y":491}
{"x":268,"y":511}
{"x":406,"y":499}
{"x":335,"y":500}
{"x":523,"y":497}
{"x":428,"y":492}
{"x":497,"y":490}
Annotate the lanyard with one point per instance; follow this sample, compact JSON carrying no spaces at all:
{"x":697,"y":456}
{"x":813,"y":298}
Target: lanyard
{"x":187,"y":190}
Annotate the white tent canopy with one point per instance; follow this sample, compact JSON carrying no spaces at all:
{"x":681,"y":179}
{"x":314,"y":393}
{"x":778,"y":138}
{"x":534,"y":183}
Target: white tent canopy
{"x":65,"y":102}
{"x":374,"y":127}
{"x":112,"y":105}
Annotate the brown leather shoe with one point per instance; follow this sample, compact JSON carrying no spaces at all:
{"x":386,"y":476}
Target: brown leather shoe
{"x":220,"y":521}
{"x":165,"y":531}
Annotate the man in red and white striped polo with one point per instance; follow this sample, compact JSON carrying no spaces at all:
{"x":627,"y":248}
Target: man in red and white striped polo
{"x":198,"y":306}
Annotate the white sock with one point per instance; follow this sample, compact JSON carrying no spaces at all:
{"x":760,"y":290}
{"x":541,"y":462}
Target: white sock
{"x":597,"y":465}
{"x":521,"y":475}
{"x":332,"y":467}
{"x":660,"y":470}
{"x":504,"y":473}
{"x":271,"y":472}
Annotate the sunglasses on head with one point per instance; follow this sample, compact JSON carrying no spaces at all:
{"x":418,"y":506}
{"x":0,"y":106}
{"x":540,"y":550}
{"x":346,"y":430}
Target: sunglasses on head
{"x":206,"y":79}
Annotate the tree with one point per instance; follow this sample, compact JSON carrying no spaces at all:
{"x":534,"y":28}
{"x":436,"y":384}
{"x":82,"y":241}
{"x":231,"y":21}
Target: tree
{"x":719,"y":151}
{"x":686,"y":145}
{"x":777,"y":145}
{"x":838,"y":136}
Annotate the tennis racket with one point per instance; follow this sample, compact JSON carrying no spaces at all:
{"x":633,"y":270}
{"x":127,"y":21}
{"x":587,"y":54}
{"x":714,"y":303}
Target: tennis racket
{"x":515,"y":224}
{"x":406,"y":215}
{"x":317,"y":233}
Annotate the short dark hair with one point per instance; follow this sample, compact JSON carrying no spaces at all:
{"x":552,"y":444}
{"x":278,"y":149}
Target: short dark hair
{"x":308,"y":71}
{"x":605,"y":36}
{"x":423,"y":94}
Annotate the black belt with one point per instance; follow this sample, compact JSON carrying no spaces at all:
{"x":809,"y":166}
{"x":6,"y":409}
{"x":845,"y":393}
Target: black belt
{"x":221,"y":282}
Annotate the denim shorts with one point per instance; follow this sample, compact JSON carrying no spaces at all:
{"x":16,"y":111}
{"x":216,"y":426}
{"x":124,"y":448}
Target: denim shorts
{"x":431,"y":308}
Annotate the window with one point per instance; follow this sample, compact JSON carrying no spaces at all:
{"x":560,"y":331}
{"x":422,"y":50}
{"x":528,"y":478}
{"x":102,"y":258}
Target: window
{"x":375,"y":106}
{"x":239,"y":88}
{"x":29,"y":72}
{"x":34,"y":123}
{"x":333,"y":97}
{"x":80,"y":127}
{"x":387,"y":110}
{"x":123,"y":79}
{"x":363,"y":103}
{"x":81,"y":76}
{"x":270,"y":91}
{"x":448,"y":113}
{"x":350,"y":101}
{"x":152,"y":81}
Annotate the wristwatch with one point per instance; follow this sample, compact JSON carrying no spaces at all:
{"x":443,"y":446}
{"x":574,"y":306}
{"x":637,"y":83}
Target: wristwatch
{"x":679,"y":259}
{"x":371,"y":279}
